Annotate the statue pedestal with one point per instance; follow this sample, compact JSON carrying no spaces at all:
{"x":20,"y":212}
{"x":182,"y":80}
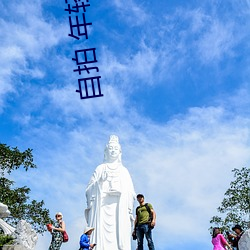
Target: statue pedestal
{"x":13,"y":247}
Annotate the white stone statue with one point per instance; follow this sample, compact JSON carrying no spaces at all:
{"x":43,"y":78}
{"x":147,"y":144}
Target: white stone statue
{"x":25,"y":235}
{"x":110,"y":198}
{"x":244,"y":242}
{"x":4,"y":212}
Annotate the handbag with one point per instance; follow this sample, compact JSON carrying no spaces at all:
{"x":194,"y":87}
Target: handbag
{"x":49,"y":227}
{"x":65,"y":236}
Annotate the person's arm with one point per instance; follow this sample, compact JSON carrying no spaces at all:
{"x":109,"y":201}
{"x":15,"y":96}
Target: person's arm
{"x":154,"y":217}
{"x":135,"y":224}
{"x":92,"y":246}
{"x":229,"y":246}
{"x":224,"y":242}
{"x":84,"y":242}
{"x":232,"y":235}
{"x":60,"y":229}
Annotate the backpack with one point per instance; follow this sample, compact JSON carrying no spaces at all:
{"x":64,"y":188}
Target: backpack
{"x":149,"y":212}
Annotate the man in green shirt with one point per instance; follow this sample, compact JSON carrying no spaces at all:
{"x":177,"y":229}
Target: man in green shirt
{"x":144,"y":223}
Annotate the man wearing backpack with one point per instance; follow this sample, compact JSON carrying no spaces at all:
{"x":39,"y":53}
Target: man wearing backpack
{"x":144,"y":223}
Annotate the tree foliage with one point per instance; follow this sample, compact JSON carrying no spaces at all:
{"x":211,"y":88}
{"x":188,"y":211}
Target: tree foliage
{"x":235,"y":207}
{"x":6,"y":239}
{"x":12,"y":159}
{"x":17,"y":199}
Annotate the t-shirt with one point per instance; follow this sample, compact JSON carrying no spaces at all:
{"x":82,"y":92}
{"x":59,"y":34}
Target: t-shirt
{"x":219,"y":242}
{"x":142,"y":214}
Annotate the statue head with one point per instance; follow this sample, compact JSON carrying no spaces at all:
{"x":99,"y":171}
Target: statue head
{"x":113,"y":150}
{"x":4,"y":211}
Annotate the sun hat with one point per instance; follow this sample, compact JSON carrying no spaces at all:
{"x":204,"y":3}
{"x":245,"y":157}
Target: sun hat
{"x":87,"y":229}
{"x":59,"y":213}
{"x":237,"y":227}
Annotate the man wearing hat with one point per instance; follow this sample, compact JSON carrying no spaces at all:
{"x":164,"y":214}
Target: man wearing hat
{"x":84,"y":240}
{"x":239,"y":231}
{"x":144,"y":223}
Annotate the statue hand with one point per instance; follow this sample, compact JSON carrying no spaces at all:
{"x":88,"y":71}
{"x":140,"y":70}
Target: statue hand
{"x":104,"y":176}
{"x":132,"y":217}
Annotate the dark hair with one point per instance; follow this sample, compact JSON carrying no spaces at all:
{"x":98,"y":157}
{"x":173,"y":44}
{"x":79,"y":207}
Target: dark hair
{"x":237,"y":227}
{"x":215,"y":234}
{"x":139,"y":196}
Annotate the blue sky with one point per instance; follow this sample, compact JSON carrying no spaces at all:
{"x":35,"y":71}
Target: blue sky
{"x":175,"y":79}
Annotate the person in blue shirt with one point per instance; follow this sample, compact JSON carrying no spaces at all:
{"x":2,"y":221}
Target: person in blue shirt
{"x":84,"y":240}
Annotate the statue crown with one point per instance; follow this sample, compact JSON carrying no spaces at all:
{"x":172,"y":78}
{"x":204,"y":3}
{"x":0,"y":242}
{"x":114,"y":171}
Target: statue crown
{"x":114,"y":138}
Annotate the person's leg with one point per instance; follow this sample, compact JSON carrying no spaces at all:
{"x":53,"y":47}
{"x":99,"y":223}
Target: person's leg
{"x":56,"y":244}
{"x":140,"y":231}
{"x":148,"y":234}
{"x":51,"y":247}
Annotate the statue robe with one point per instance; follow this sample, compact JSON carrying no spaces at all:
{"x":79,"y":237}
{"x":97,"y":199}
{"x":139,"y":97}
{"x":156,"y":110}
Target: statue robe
{"x":110,"y":197}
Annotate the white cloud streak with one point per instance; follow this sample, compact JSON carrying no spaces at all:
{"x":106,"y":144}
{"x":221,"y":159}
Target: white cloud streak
{"x":24,"y":38}
{"x":216,"y":43}
{"x":132,"y":13}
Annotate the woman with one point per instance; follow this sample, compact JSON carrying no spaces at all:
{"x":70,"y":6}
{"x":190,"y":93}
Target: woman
{"x":56,"y":231}
{"x":218,"y":240}
{"x":84,"y":240}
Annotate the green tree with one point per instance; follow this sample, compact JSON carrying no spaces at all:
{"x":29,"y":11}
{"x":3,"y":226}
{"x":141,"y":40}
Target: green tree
{"x":17,"y":199}
{"x":235,"y":207}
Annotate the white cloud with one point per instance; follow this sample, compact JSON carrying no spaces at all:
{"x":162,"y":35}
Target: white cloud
{"x":24,"y":38}
{"x":124,"y":71}
{"x":239,"y":101}
{"x":131,"y":12}
{"x":198,"y":19}
{"x":143,"y":64}
{"x":199,"y":33}
{"x":217,"y":42}
{"x":68,"y":101}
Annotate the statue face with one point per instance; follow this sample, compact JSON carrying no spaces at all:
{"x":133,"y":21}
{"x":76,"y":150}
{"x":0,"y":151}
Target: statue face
{"x":114,"y":150}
